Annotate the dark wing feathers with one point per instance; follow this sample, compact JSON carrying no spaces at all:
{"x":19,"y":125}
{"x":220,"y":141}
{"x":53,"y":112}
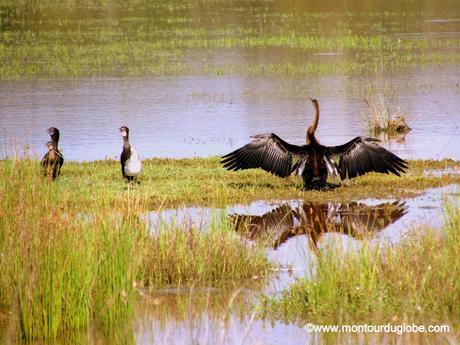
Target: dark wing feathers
{"x":266,"y":151}
{"x":45,"y":159}
{"x":362,"y":155}
{"x":61,"y":159}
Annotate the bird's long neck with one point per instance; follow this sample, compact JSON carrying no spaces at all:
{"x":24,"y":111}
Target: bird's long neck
{"x":126,"y":142}
{"x":55,"y":139}
{"x":311,"y":129}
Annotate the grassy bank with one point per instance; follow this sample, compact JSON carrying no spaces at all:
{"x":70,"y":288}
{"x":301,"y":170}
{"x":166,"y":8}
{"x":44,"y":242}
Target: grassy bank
{"x":414,"y":281}
{"x":191,"y":182}
{"x":74,"y":257}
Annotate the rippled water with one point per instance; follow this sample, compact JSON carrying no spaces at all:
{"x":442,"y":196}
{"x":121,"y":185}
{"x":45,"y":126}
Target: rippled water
{"x":247,"y":72}
{"x":203,"y":116}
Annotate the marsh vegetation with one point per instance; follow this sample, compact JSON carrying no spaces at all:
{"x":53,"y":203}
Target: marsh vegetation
{"x":81,"y":259}
{"x":383,"y":117}
{"x":131,"y":38}
{"x":70,"y":258}
{"x":414,"y":280}
{"x":76,"y":252}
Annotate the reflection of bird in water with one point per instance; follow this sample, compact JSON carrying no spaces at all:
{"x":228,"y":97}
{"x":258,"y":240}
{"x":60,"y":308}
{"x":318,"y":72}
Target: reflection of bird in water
{"x":354,"y":219}
{"x":314,"y":162}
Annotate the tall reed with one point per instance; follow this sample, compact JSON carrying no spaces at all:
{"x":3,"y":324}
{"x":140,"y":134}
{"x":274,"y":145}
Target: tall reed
{"x":65,"y":265}
{"x":379,"y":118}
{"x":182,"y":254}
{"x":70,"y":257}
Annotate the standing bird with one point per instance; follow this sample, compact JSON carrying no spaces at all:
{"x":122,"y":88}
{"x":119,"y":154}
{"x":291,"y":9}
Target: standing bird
{"x":51,"y":162}
{"x":54,"y":134}
{"x":131,"y":164}
{"x":314,"y":162}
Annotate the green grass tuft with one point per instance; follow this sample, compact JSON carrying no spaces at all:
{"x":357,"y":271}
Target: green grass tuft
{"x":184,"y":255}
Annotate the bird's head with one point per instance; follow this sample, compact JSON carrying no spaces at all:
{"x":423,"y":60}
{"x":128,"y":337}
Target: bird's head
{"x":314,"y":102}
{"x":124,"y":131}
{"x":52,"y":131}
{"x":50,"y":145}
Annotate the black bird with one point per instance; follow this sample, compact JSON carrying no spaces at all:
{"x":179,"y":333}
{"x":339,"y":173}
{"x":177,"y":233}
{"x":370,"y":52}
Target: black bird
{"x":314,"y":162}
{"x":54,"y":134}
{"x":51,"y":162}
{"x":131,"y":164}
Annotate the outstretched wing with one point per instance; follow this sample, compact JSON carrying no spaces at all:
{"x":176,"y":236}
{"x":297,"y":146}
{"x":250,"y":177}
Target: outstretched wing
{"x":359,"y":219}
{"x":363,"y":155}
{"x":267,"y":228}
{"x":266,"y":151}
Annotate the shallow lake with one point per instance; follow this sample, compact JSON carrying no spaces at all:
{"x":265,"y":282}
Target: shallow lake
{"x":197,"y":79}
{"x":249,"y":68}
{"x":204,"y":116}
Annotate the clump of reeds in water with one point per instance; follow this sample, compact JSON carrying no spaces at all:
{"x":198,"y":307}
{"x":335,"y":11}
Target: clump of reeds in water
{"x":180,"y":254}
{"x":380,"y":119}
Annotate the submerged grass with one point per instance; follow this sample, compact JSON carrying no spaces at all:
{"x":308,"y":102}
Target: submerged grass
{"x":74,"y":257}
{"x":415,"y":280}
{"x":137,"y":38}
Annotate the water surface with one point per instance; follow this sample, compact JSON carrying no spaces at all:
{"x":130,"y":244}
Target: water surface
{"x":197,"y":78}
{"x":204,"y":116}
{"x":293,"y":232}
